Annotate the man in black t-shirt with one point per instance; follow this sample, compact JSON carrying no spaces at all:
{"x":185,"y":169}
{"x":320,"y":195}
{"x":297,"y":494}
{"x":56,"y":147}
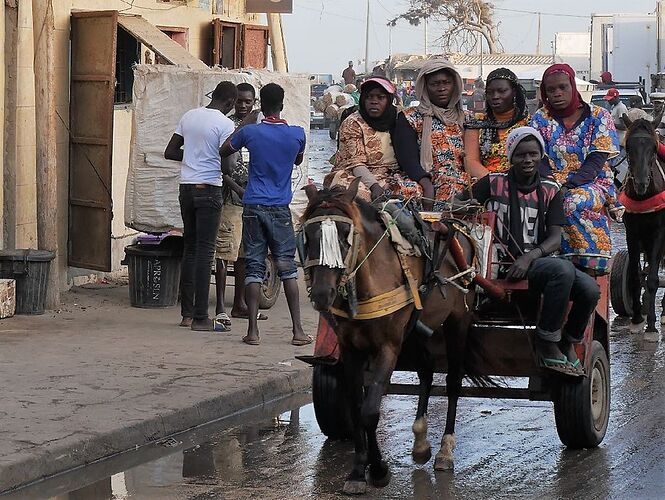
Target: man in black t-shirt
{"x":530,"y":217}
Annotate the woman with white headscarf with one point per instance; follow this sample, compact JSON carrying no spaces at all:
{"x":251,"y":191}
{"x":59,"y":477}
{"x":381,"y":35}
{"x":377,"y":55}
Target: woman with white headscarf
{"x":429,"y":139}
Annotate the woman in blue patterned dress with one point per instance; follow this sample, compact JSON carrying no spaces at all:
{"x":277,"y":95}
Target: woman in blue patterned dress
{"x":579,"y":139}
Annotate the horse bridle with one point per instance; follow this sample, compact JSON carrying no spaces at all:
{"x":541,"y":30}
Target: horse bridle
{"x":629,"y":175}
{"x":351,"y":258}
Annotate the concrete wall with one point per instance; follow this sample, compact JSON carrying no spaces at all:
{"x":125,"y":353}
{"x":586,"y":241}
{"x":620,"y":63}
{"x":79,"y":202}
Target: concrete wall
{"x":196,"y":16}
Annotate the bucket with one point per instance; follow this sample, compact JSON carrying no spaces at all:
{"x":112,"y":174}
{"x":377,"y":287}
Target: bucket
{"x":154,"y":274}
{"x":30,"y":268}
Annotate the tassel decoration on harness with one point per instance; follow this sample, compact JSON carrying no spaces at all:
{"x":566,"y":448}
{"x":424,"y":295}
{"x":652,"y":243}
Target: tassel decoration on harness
{"x":330,"y":251}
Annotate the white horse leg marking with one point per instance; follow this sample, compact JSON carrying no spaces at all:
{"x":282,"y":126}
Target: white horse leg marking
{"x":422,"y":449}
{"x":444,"y":459}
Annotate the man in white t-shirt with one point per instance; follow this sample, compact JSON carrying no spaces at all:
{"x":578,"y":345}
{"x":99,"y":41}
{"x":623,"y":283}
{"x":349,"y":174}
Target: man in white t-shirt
{"x":196,"y":142}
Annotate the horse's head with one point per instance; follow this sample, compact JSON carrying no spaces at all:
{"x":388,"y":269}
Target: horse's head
{"x":330,"y":226}
{"x":641,"y":147}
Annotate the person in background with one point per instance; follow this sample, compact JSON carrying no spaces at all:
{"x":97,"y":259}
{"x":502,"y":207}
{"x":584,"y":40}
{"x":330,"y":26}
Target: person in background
{"x":349,"y":74}
{"x":274,"y":147}
{"x":429,"y":139}
{"x":530,"y":216}
{"x":579,"y":140}
{"x":505,"y":110}
{"x":617,"y":110}
{"x":229,"y":237}
{"x":196,"y":143}
{"x":635,"y":101}
{"x":606,"y":78}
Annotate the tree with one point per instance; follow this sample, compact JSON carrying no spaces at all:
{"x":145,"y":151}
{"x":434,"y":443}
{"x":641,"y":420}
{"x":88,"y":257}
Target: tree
{"x":464,"y":21}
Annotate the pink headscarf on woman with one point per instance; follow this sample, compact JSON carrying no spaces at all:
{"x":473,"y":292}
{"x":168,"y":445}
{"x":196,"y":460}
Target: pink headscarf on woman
{"x":452,"y":114}
{"x":575,"y":102}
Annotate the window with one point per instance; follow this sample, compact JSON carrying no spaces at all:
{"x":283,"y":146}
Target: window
{"x":127,"y":55}
{"x":178,"y":35}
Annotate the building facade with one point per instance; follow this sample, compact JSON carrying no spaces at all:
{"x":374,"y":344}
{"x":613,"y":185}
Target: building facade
{"x":96,"y":45}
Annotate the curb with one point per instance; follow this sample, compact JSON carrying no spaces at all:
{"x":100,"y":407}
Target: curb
{"x":75,"y":451}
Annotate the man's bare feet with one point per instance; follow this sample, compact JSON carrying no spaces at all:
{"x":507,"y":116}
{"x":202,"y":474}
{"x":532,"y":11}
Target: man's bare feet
{"x":300,"y":337}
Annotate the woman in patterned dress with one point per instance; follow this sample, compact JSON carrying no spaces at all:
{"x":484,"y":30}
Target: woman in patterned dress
{"x":505,"y":110}
{"x":365,"y":144}
{"x":429,"y":139}
{"x":579,"y":139}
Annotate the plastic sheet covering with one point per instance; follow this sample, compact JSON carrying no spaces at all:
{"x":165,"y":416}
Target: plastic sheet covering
{"x":162,"y":94}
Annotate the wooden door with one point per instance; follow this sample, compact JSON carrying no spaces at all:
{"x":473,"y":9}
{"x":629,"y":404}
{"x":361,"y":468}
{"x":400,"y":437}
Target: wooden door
{"x":226,"y":44}
{"x":93,"y":60}
{"x":254,"y":46}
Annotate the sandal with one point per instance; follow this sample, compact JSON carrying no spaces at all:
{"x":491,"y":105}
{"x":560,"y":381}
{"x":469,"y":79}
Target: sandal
{"x":250,"y":340}
{"x":559,"y":365}
{"x":299,"y":342}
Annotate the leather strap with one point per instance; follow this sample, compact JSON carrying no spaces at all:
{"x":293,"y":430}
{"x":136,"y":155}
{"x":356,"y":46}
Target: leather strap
{"x":381,"y":305}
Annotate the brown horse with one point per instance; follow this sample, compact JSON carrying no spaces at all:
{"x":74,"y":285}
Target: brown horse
{"x":373,"y":345}
{"x":644,"y":219}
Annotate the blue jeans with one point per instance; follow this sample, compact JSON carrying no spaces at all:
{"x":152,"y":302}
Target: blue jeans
{"x":268,"y":227}
{"x":201,"y":208}
{"x":560,"y":282}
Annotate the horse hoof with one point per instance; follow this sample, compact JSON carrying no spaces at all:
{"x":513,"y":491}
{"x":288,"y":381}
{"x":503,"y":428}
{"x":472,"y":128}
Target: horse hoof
{"x":422,"y":456}
{"x":379,"y":475}
{"x":651,"y":336}
{"x":355,"y":487}
{"x":442,"y":463}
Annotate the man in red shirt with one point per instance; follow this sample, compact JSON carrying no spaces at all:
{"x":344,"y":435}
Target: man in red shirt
{"x":349,"y":74}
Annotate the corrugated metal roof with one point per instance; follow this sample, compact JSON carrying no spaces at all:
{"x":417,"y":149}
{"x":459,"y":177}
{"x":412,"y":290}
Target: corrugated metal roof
{"x":416,"y":62}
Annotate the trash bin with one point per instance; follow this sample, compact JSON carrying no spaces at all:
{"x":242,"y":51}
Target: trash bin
{"x":154,"y":273}
{"x":30,"y":268}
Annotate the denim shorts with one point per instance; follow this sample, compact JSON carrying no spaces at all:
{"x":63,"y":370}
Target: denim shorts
{"x":268,"y":227}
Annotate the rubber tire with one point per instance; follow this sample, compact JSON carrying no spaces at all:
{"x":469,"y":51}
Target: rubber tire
{"x":330,"y":405}
{"x":270,"y":286}
{"x":619,"y":293}
{"x":573,"y":403}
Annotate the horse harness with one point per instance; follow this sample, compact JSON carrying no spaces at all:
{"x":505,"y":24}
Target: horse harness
{"x":654,"y":203}
{"x":389,"y":302}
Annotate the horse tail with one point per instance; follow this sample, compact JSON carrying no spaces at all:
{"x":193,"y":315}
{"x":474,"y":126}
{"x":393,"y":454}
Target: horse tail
{"x":475,"y":356}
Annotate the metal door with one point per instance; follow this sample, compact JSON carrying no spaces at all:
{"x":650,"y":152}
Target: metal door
{"x":93,"y":60}
{"x":254,"y":46}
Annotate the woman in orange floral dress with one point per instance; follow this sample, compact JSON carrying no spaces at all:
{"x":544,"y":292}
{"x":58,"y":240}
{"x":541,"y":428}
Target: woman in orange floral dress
{"x":365,"y":143}
{"x":429,"y":139}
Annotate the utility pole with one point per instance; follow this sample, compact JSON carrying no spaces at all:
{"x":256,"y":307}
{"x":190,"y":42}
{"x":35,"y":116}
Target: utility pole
{"x":426,"y":36}
{"x":390,"y":38}
{"x":538,"y":44}
{"x":367,"y":42}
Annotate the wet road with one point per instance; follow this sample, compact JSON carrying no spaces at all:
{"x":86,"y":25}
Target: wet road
{"x":505,"y":448}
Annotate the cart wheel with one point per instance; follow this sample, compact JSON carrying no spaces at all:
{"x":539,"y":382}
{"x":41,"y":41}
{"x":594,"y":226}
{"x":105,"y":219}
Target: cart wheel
{"x":330,"y":404}
{"x":270,"y":287}
{"x":582,"y":407}
{"x":619,"y":293}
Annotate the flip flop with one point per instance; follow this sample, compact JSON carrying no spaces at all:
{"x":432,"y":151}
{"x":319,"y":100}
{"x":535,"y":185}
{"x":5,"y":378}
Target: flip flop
{"x":259,"y":316}
{"x":299,"y":342}
{"x":577,"y":367}
{"x":251,"y":341}
{"x":558,"y":365}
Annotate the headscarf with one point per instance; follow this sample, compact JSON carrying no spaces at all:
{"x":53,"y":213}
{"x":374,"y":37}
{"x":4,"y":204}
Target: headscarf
{"x":450,"y":115}
{"x":606,"y":77}
{"x":521,"y":109}
{"x":575,"y":102}
{"x":386,"y":121}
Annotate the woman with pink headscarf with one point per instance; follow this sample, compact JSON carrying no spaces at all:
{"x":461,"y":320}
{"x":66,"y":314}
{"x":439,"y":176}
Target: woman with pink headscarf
{"x":579,"y":139}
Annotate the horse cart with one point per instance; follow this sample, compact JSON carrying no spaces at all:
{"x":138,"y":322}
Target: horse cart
{"x":502,"y":336}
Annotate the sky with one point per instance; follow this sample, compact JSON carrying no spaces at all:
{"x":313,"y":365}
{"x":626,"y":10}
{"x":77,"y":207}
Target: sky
{"x":323,"y":35}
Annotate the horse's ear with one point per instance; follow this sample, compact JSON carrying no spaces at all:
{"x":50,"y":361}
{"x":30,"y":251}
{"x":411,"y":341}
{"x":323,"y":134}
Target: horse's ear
{"x":310,"y":191}
{"x":352,"y":190}
{"x":627,"y":122}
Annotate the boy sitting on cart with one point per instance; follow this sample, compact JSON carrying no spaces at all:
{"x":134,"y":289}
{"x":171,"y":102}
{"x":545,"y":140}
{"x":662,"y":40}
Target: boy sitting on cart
{"x":529,"y":219}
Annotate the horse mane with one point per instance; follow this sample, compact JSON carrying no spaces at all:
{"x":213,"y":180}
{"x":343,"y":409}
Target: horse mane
{"x":333,"y":198}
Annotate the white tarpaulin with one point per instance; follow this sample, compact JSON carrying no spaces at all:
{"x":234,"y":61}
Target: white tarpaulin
{"x":162,"y":94}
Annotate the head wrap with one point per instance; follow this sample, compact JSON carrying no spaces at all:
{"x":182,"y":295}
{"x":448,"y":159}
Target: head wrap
{"x":575,"y":102}
{"x":386,"y":121}
{"x":518,"y":135}
{"x":450,"y":115}
{"x":521,"y":109}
